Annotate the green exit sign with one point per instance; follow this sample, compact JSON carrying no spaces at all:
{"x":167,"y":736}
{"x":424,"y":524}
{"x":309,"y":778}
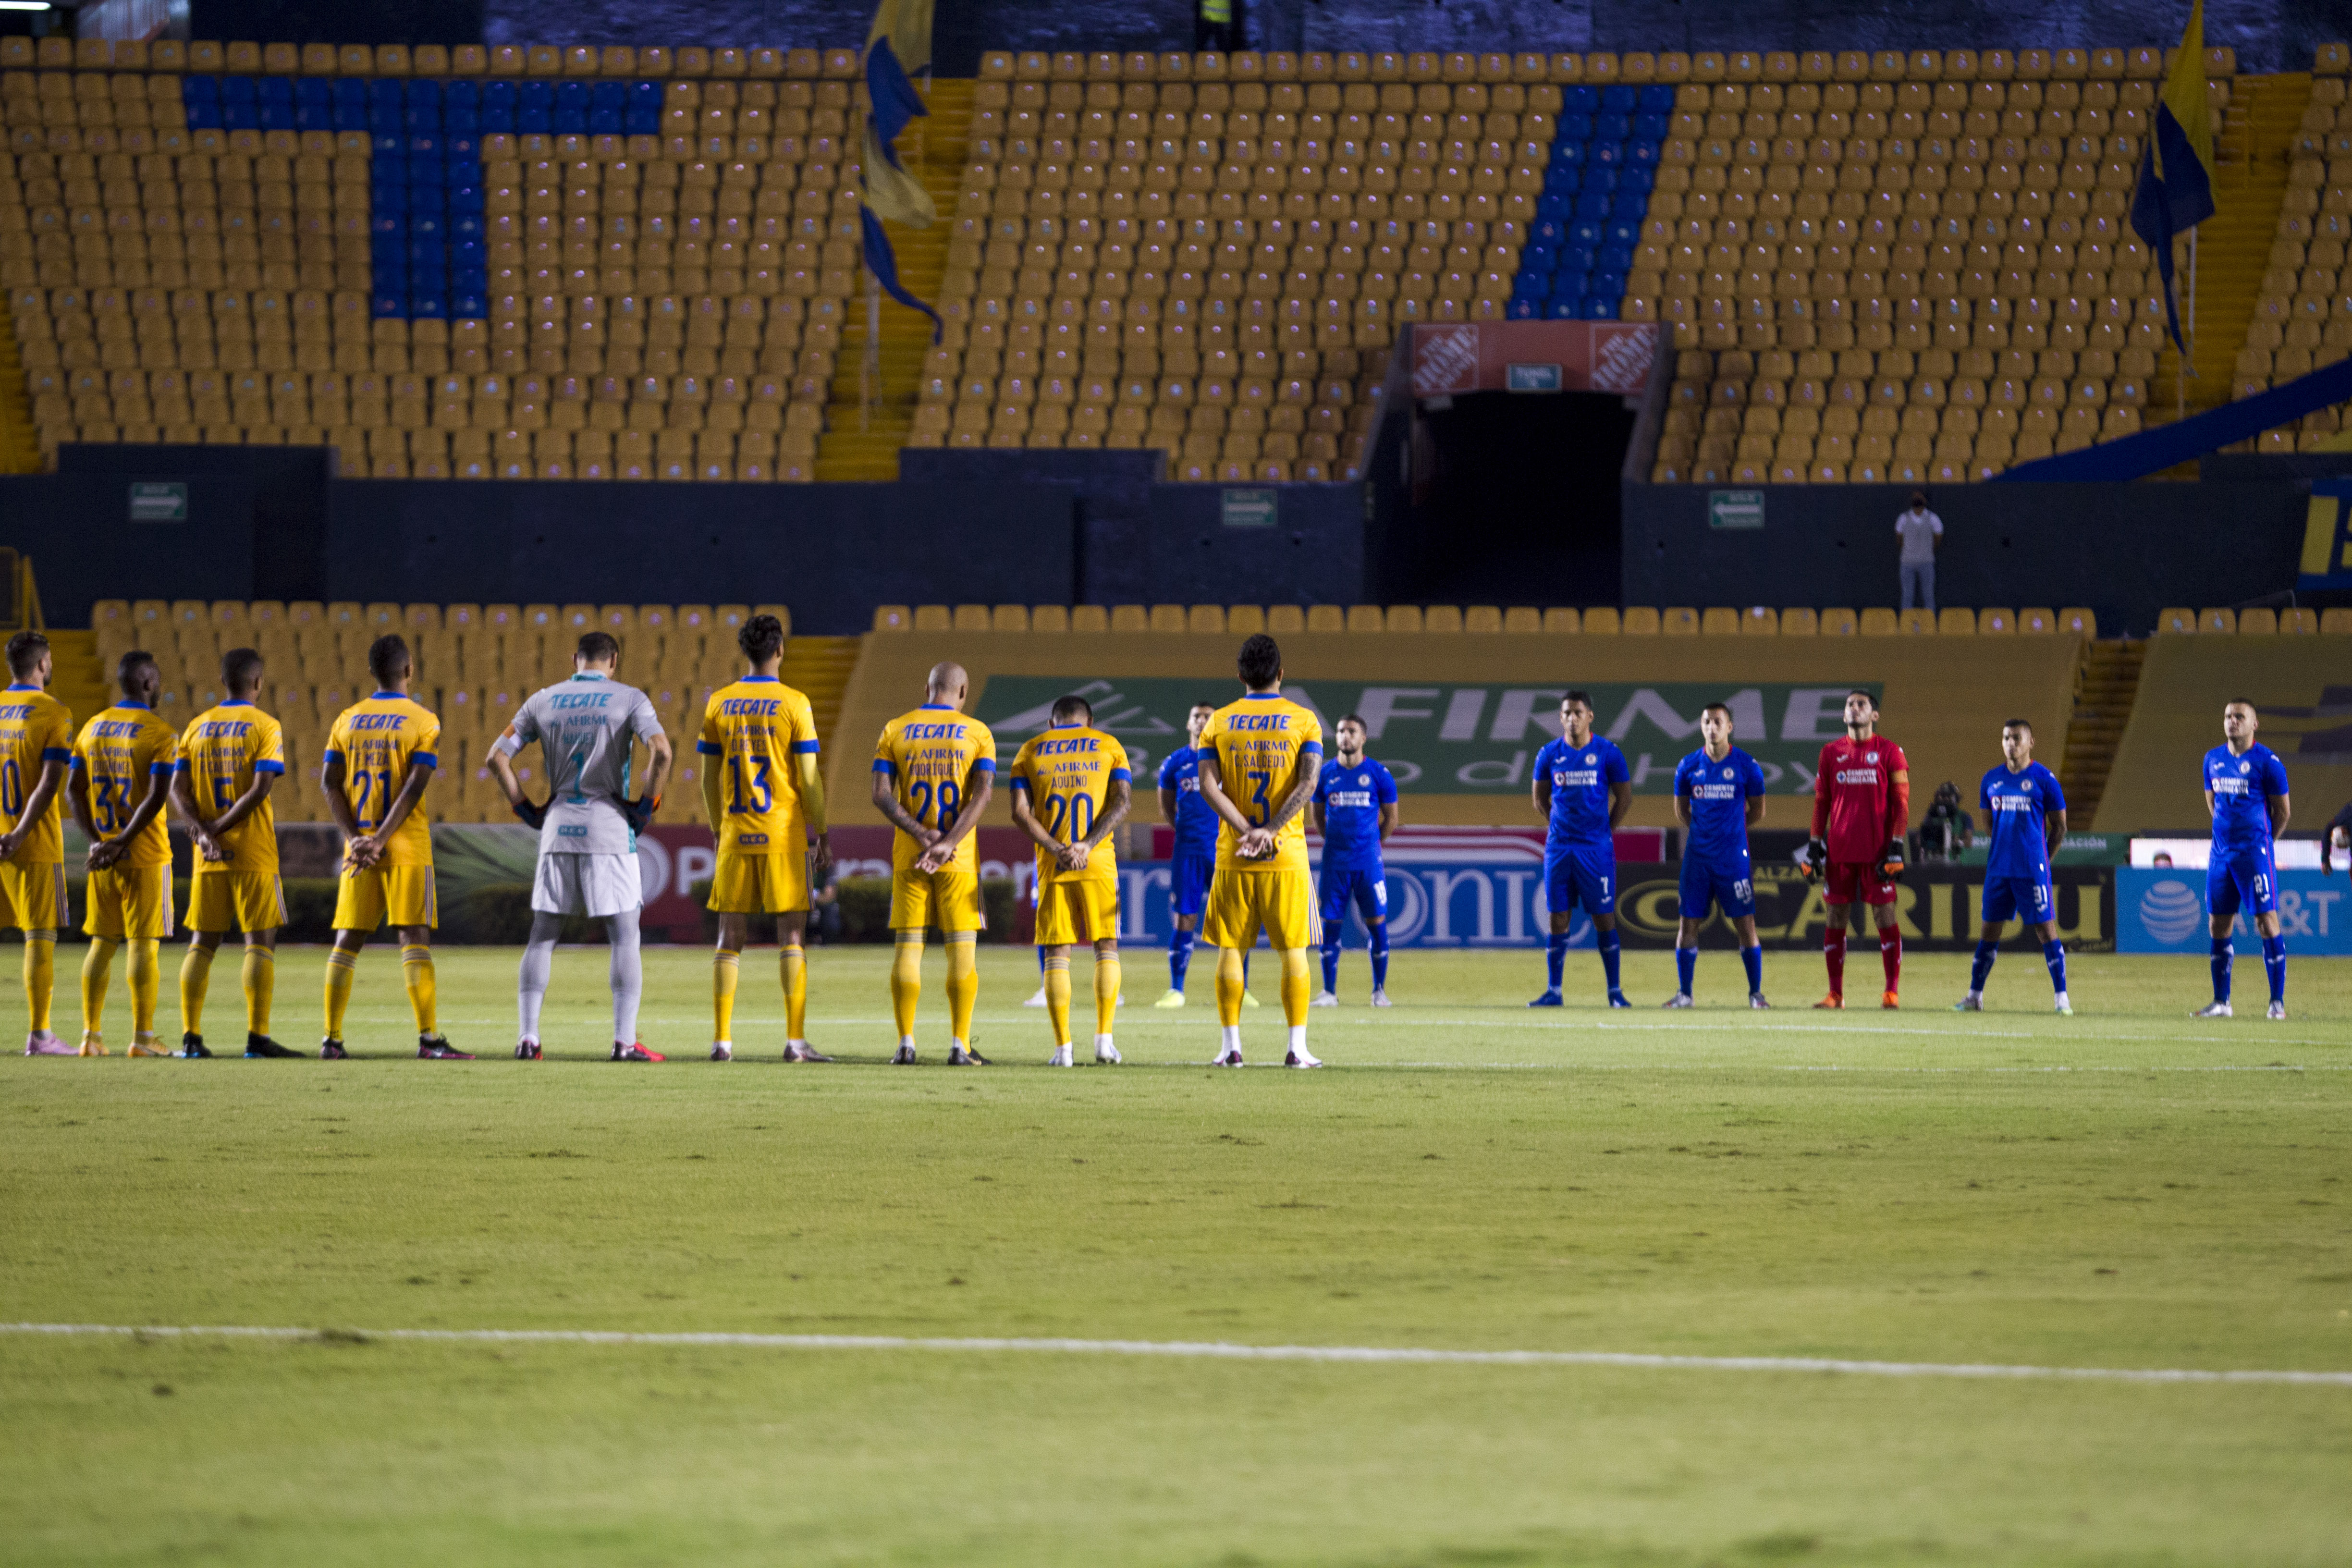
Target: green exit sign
{"x":151,"y":502}
{"x":1251,"y":508}
{"x":1734,"y":509}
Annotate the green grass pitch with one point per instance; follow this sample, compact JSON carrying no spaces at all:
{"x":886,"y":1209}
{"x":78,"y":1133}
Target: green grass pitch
{"x":2126,"y":1188}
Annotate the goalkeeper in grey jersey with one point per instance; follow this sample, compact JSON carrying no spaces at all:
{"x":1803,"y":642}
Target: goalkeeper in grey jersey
{"x":588,"y":828}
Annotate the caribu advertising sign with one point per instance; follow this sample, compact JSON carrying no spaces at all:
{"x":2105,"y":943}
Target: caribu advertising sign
{"x":1462,"y":740}
{"x":2162,"y":908}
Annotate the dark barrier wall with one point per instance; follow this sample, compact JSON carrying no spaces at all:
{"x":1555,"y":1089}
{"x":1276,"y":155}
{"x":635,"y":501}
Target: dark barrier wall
{"x":77,"y":529}
{"x":2127,"y":550}
{"x":2268,"y":36}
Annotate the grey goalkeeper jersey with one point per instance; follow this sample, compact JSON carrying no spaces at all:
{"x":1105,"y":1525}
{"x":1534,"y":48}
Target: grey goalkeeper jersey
{"x":584,"y":727}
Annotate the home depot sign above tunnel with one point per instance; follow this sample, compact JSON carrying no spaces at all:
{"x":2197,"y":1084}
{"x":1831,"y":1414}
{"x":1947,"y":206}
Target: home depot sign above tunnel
{"x":1591,"y":356}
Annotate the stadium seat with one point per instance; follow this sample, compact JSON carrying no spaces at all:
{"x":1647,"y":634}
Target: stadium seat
{"x":1403,"y":618}
{"x":1129,"y":618}
{"x":1992,"y":622}
{"x":1366,"y":618}
{"x":1484,"y":620}
{"x":2258,"y":623}
{"x":1326,"y":619}
{"x":1522,"y":620}
{"x":1089,"y":618}
{"x":2298,"y":622}
{"x":1442,"y":619}
{"x":2079,"y":620}
{"x":1284,"y":620}
{"x":1801,"y":621}
{"x":971,"y":618}
{"x":1955,"y":622}
{"x":1916,"y":622}
{"x":1721,"y":621}
{"x":893,"y":618}
{"x":2035,"y":621}
{"x":1205,"y":620}
{"x":1167,"y":619}
{"x":2176,"y":620}
{"x":934,"y":618}
{"x":2336,"y":623}
{"x":1559,"y":621}
{"x":1678,"y":621}
{"x":1640,"y":621}
{"x":1880,"y":623}
{"x":1603,"y":621}
{"x":2218,"y":623}
{"x":1245,"y":620}
{"x":1054,"y":618}
{"x":1009,"y":618}
{"x":1835,"y":622}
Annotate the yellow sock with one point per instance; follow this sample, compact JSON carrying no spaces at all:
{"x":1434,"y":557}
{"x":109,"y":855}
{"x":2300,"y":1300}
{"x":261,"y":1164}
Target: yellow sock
{"x":1106,"y":992}
{"x":95,"y":964}
{"x":963,"y":981}
{"x":146,"y":983}
{"x":342,"y":967}
{"x":261,"y":979}
{"x":1298,"y":990}
{"x":416,"y":972}
{"x":1229,"y":987}
{"x":1058,"y":995}
{"x":906,"y":980}
{"x":726,"y":969}
{"x":40,"y":975}
{"x":195,"y":978}
{"x":791,"y":962}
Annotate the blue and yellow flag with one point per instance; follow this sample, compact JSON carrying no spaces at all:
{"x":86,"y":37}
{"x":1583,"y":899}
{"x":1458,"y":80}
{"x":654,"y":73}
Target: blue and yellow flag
{"x":2176,"y":170}
{"x":896,"y":47}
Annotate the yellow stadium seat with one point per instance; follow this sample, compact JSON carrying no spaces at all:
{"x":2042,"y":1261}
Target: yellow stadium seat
{"x":1089,"y":618}
{"x":1758,"y":621}
{"x":1365,"y":618}
{"x":972,"y":617}
{"x":1801,"y":622}
{"x":228,"y":615}
{"x":2035,"y":621}
{"x":893,"y":618}
{"x":1559,"y":621}
{"x":1719,"y":620}
{"x":1996,"y":622}
{"x":1642,"y":621}
{"x":1404,"y":619}
{"x":2175,"y":620}
{"x":1167,"y":618}
{"x":1522,"y":619}
{"x":934,"y":618}
{"x":1918,"y":622}
{"x":150,"y":616}
{"x":2218,"y":623}
{"x":2258,"y":623}
{"x":1880,"y":623}
{"x":1129,"y":618}
{"x":1678,"y":621}
{"x":1326,"y":619}
{"x":2336,"y":623}
{"x":1245,"y":620}
{"x":2300,"y":622}
{"x":1284,"y":620}
{"x":1054,"y":618}
{"x":1603,"y":621}
{"x":1486,"y":619}
{"x":1205,"y":620}
{"x":578,"y":619}
{"x":107,"y":614}
{"x":1956,"y":623}
{"x":197,"y":613}
{"x":1442,"y":619}
{"x":2078,"y":619}
{"x":1009,"y":618}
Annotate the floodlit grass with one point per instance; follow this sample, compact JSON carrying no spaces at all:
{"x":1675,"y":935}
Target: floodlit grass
{"x":2126,"y":1188}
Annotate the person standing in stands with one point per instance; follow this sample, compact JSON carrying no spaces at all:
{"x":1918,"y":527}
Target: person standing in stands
{"x":1220,"y":24}
{"x":1919,"y":528}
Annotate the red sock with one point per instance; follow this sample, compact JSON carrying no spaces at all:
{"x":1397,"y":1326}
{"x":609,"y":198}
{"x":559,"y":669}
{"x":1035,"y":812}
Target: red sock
{"x":1833,"y":952}
{"x":1890,"y":955}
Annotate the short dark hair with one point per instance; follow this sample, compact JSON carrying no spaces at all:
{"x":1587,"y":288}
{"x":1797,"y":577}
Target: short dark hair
{"x":1355,"y":719}
{"x":1198,"y":706}
{"x":1261,"y":660}
{"x":1722,"y":708}
{"x":1863,"y":692}
{"x":25,"y":651}
{"x":599,"y":647}
{"x":388,"y":657}
{"x":1568,"y":697}
{"x":1073,"y":707}
{"x":2025,"y":725}
{"x":2245,"y":702}
{"x":760,"y":637}
{"x":240,"y":667}
{"x":1918,"y":497}
{"x":127,"y":668}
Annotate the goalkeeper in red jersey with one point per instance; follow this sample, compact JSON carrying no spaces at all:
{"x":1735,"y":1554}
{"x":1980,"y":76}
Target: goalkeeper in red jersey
{"x":1862,"y":805}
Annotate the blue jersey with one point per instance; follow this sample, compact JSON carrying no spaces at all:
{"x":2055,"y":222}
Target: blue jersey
{"x":1718,"y":793}
{"x":1581,"y":777}
{"x":1351,"y":799}
{"x":2018,"y":807}
{"x":2239,"y":785}
{"x":1196,"y":820}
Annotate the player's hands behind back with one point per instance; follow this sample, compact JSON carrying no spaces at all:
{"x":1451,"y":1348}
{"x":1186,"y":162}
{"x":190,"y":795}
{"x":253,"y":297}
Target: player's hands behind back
{"x":530,"y":813}
{"x":639,"y":812}
{"x":1257,"y":844}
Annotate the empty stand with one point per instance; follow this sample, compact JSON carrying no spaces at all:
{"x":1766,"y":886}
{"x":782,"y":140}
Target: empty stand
{"x":2303,"y":317}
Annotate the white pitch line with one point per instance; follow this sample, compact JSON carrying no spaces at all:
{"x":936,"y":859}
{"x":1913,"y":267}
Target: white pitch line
{"x":1215,"y":1350}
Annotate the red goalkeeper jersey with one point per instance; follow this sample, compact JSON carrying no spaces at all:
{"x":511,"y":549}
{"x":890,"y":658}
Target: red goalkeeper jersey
{"x":1858,"y":804}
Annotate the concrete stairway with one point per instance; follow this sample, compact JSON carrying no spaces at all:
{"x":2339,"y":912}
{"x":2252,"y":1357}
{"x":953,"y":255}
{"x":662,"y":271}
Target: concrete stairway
{"x":2105,"y":689}
{"x":77,"y":678}
{"x":866,"y":424}
{"x":821,"y":667}
{"x":20,"y":449}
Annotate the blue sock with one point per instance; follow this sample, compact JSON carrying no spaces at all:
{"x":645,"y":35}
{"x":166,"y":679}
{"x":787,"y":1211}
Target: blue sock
{"x":2275,"y":966}
{"x":2222,"y":951}
{"x":1245,"y":958}
{"x":1041,"y":962}
{"x":2053,"y":953}
{"x":1179,"y":959}
{"x":1982,"y":970}
{"x":1686,"y":966}
{"x":1555,"y":955}
{"x":1607,"y":943}
{"x":1331,"y":961}
{"x":1380,"y":956}
{"x":1753,"y":959}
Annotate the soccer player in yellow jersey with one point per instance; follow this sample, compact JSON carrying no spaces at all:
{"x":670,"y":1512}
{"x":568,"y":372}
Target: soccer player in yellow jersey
{"x":231,"y":757}
{"x":380,"y":755}
{"x":1259,"y":758}
{"x":36,"y":744}
{"x":1071,"y":786}
{"x":121,"y":776}
{"x":764,"y":795}
{"x":934,"y":771}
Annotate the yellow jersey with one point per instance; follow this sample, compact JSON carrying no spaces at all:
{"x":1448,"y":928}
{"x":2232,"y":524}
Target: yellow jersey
{"x":1067,"y":773}
{"x":753,"y":732}
{"x":930,"y":755}
{"x":222,"y":750}
{"x":35,"y":729}
{"x":1262,"y":745}
{"x":379,"y":739}
{"x":121,"y":753}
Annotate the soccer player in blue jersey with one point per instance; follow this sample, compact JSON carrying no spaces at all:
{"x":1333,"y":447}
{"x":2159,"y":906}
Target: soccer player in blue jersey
{"x":2025,"y":820}
{"x":2245,"y":789}
{"x":1718,"y":796}
{"x":1196,"y":860}
{"x":1355,"y":811}
{"x":1581,"y":791}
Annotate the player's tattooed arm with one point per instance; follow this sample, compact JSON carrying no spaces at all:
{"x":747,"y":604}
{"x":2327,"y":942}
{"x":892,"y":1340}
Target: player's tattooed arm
{"x":978,"y":785}
{"x":244,"y":806}
{"x":1213,"y":789}
{"x":885,"y":801}
{"x":1117,"y":798}
{"x":1026,"y":821}
{"x":1302,"y":793}
{"x":150,"y":806}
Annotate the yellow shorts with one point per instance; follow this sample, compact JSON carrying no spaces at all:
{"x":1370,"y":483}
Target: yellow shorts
{"x":235,"y":900}
{"x":1071,"y":912}
{"x":33,"y":897}
{"x":400,"y":894}
{"x":1282,"y":901}
{"x":130,"y":903}
{"x":947,"y":899}
{"x":759,"y":884}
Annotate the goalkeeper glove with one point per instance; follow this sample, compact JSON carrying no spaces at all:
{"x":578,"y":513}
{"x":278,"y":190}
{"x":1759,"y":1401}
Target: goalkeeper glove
{"x":639,"y":812}
{"x":1890,"y":863}
{"x":1815,"y":858}
{"x":533,"y":815}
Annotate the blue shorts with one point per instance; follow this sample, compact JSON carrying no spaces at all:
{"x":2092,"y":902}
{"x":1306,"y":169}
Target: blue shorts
{"x":2241,"y":879}
{"x":2028,"y":899}
{"x":1187,"y":879}
{"x":1337,"y":886}
{"x":1729,"y":886}
{"x":1581,"y":876}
